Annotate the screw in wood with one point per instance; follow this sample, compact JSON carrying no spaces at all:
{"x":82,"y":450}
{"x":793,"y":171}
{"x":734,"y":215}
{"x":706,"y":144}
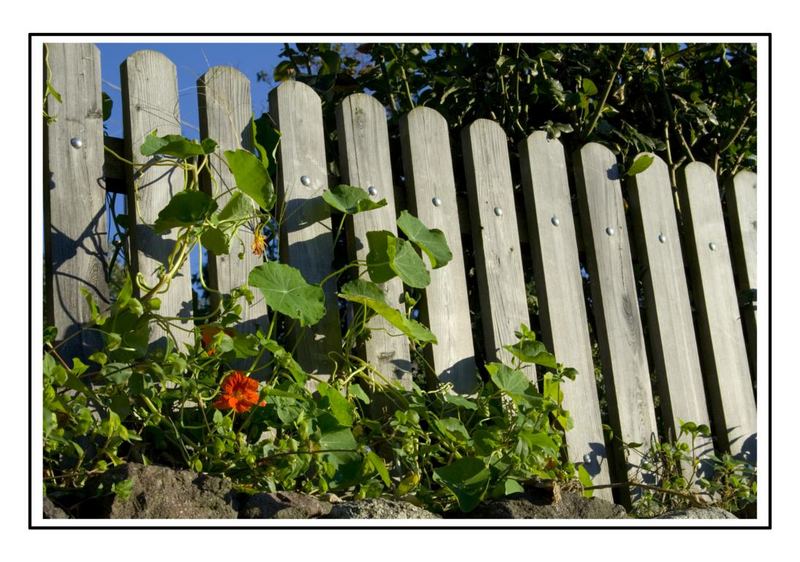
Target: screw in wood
{"x":305,"y":180}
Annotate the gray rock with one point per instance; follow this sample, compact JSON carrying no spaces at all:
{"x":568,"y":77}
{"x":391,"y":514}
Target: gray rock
{"x":698,"y":513}
{"x":378,"y":508}
{"x":163,"y":493}
{"x":531,"y":505}
{"x":52,"y":511}
{"x":283,"y":505}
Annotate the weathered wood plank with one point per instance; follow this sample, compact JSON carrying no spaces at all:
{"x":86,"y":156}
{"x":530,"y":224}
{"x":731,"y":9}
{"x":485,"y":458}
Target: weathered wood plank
{"x":428,"y":167}
{"x":742,"y":216}
{"x":493,"y":219}
{"x":225,"y":115}
{"x":722,"y":348}
{"x":365,"y":162}
{"x":669,"y":314}
{"x":614,"y":298}
{"x":150,"y":101}
{"x":74,"y":197}
{"x":559,"y":288}
{"x":306,"y":238}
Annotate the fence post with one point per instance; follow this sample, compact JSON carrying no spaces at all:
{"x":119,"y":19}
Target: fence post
{"x":150,"y":102}
{"x":723,"y":354}
{"x":495,"y":234}
{"x":669,"y":313}
{"x":223,"y":95}
{"x":365,"y":162}
{"x":559,"y":288}
{"x":74,"y":195}
{"x":306,"y":237}
{"x":615,"y":301}
{"x":742,"y":215}
{"x":428,"y":168}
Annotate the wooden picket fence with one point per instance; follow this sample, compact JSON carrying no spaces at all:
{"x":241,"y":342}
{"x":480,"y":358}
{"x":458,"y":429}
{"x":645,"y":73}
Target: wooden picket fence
{"x":699,"y":354}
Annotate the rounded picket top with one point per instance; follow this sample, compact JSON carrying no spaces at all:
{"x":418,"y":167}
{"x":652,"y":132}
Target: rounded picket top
{"x":223,"y":72}
{"x":699,"y":171}
{"x":150,"y":61}
{"x":485,"y":127}
{"x":423,"y":118}
{"x":295,"y":88}
{"x":538,"y":141}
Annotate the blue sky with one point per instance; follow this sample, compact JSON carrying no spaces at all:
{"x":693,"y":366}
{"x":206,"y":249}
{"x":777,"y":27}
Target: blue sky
{"x":191,"y":61}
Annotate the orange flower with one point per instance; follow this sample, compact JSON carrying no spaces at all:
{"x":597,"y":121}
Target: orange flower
{"x":207,"y":334}
{"x":239,"y":392}
{"x":259,"y":244}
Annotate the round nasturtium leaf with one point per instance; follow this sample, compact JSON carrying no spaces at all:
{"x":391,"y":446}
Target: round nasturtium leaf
{"x":286,"y":291}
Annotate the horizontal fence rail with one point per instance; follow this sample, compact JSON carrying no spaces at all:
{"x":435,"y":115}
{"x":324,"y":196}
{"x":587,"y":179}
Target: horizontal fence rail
{"x":703,"y":375}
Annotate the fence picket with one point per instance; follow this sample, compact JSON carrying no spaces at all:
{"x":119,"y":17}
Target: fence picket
{"x":74,"y":195}
{"x":723,"y":354}
{"x":743,"y":215}
{"x":225,"y":108}
{"x":365,"y":162}
{"x":428,"y":168}
{"x":614,"y":299}
{"x":493,"y":219}
{"x":559,"y":289}
{"x":306,"y":238}
{"x":150,"y":102}
{"x":669,"y":314}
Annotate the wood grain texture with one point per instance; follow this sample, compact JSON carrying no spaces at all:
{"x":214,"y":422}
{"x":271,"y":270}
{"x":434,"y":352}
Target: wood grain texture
{"x":559,"y":289}
{"x":742,"y":217}
{"x":722,"y":349}
{"x":149,"y":102}
{"x":669,"y":313}
{"x":365,"y":162}
{"x":74,"y":195}
{"x":306,"y":237}
{"x":493,"y":219}
{"x":225,"y":115}
{"x":428,"y":167}
{"x":614,"y":297}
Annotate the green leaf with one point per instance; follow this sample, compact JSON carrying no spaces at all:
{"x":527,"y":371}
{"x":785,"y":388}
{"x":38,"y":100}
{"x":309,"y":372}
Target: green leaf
{"x":351,"y":200}
{"x":529,"y":351}
{"x":108,"y":104}
{"x":336,"y":404}
{"x":123,"y":489}
{"x":215,"y":241}
{"x":510,"y":381}
{"x":589,"y":87}
{"x":286,"y":291}
{"x":586,"y":481}
{"x":186,"y":208}
{"x":467,"y":478}
{"x":380,"y":467}
{"x":175,"y":145}
{"x":432,"y":242}
{"x":640,"y":164}
{"x":266,"y":139}
{"x":251,"y":177}
{"x":453,"y":429}
{"x":460,"y":401}
{"x":371,"y":296}
{"x":356,"y":391}
{"x":338,"y":439}
{"x":389,"y":255}
{"x":511,"y":486}
{"x":238,"y":207}
{"x":245,"y":345}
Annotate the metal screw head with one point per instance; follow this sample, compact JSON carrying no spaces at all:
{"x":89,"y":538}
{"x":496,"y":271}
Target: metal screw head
{"x":305,"y":180}
{"x":498,"y":211}
{"x":436,"y":202}
{"x":662,"y":238}
{"x":76,"y":142}
{"x":610,"y":231}
{"x":587,"y":459}
{"x":712,"y":246}
{"x":372,"y":190}
{"x":555,"y":221}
